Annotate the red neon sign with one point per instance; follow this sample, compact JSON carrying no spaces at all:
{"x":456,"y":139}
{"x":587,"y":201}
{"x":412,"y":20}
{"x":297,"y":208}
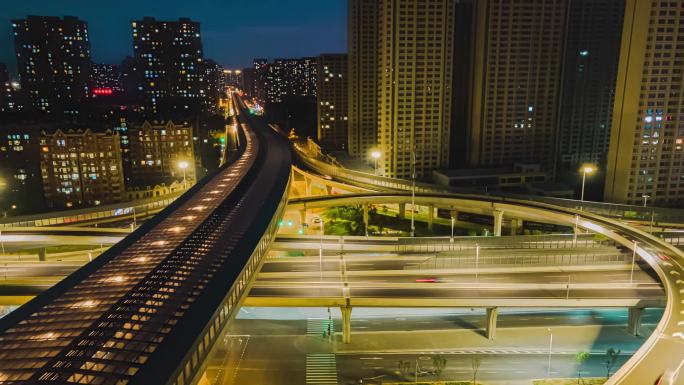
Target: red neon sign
{"x":103,"y":91}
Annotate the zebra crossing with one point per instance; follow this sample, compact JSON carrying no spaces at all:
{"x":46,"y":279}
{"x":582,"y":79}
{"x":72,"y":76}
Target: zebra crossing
{"x":316,"y":326}
{"x":321,"y":369}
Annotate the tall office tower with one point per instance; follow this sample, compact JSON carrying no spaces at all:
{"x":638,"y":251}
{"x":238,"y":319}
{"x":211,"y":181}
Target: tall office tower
{"x":105,"y":79}
{"x":515,"y":87}
{"x":415,"y":63}
{"x":170,"y":58}
{"x":157,"y":150}
{"x":592,"y":50}
{"x":261,"y":80}
{"x":53,"y":58}
{"x":290,"y":79}
{"x":331,"y":91}
{"x":647,"y":135}
{"x":362,"y":48}
{"x":81,"y":168}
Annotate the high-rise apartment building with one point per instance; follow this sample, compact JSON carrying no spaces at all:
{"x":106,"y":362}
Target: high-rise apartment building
{"x":516,"y":81}
{"x":158,"y":150}
{"x":233,"y":78}
{"x":645,"y":157}
{"x":105,"y":79}
{"x":170,"y":58}
{"x":592,"y":50}
{"x":414,"y":85}
{"x":81,"y":168}
{"x":331,"y":101}
{"x":53,"y":59}
{"x":362,"y":48}
{"x":20,"y":181}
{"x":290,"y":79}
{"x":261,"y":69}
{"x":248,"y":81}
{"x":214,"y":85}
{"x":7,"y":102}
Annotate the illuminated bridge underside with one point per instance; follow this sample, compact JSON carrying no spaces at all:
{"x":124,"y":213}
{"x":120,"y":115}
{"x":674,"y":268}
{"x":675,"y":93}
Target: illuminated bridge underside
{"x":662,"y":351}
{"x":149,"y":310}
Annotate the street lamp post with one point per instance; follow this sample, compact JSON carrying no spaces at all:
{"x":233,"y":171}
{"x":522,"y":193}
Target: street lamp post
{"x":183,"y":165}
{"x":477,"y":259}
{"x":413,"y":191}
{"x":646,"y":197}
{"x":319,"y":220}
{"x":548,"y":367}
{"x":453,"y":222}
{"x":585,"y":170}
{"x":631,"y":273}
{"x":375,"y":155}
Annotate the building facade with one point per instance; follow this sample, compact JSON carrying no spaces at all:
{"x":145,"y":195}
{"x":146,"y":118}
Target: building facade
{"x":7,"y":100}
{"x":592,"y":51}
{"x":331,"y":101}
{"x":171,"y":59}
{"x":21,"y":189}
{"x":291,"y":79}
{"x":414,"y":86}
{"x":81,"y":168}
{"x":645,"y":157}
{"x":105,"y":79}
{"x":261,"y":70}
{"x":53,"y":59}
{"x":516,"y":82}
{"x":362,"y":48}
{"x":157,"y":150}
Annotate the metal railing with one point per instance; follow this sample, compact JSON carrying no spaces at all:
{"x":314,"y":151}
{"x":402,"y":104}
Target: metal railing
{"x":437,"y":244}
{"x":445,"y":261}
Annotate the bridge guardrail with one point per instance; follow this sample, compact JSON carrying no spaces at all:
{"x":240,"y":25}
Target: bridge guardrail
{"x":445,"y":261}
{"x":421,"y":245}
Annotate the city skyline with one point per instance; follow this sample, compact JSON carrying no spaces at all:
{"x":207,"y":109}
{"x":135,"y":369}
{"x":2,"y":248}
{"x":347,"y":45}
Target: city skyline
{"x":255,"y":30}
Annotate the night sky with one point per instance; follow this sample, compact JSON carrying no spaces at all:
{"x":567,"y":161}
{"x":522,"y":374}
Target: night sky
{"x":233,"y":31}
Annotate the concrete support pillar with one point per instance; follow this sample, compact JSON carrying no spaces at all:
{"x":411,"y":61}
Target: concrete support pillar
{"x":492,"y":315}
{"x":498,"y":222}
{"x":346,"y":323}
{"x":42,"y":254}
{"x":302,"y":217}
{"x":431,"y":216}
{"x":402,"y":210}
{"x":516,"y":226}
{"x":366,"y":207}
{"x":308,"y":183}
{"x":328,"y":189}
{"x":634,"y":320}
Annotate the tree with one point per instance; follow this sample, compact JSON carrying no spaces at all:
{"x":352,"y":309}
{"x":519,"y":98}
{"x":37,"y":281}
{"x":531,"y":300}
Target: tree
{"x":581,"y":358}
{"x":611,"y":359}
{"x":475,"y":362}
{"x":439,"y":361}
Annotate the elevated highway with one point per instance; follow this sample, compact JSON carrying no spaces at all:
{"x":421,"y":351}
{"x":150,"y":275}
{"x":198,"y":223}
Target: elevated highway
{"x":150,"y":309}
{"x":663,"y":351}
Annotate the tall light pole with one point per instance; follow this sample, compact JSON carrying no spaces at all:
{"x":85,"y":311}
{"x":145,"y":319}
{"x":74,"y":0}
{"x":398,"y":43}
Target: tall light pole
{"x":585,"y":170}
{"x":548,"y":368}
{"x":453,"y":222}
{"x":477,"y":259}
{"x":646,"y":197}
{"x":183,"y":165}
{"x":631,"y":273}
{"x":319,"y":220}
{"x":413,"y":191}
{"x":375,"y":155}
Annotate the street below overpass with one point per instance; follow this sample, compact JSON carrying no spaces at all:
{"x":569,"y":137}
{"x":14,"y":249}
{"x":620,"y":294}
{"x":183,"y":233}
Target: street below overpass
{"x":279,"y":346}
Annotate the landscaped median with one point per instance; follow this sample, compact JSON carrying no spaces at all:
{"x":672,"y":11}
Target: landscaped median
{"x":434,"y":383}
{"x":571,"y":381}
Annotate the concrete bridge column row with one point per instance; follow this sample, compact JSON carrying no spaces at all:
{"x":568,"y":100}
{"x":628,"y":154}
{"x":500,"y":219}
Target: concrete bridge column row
{"x":633,"y":325}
